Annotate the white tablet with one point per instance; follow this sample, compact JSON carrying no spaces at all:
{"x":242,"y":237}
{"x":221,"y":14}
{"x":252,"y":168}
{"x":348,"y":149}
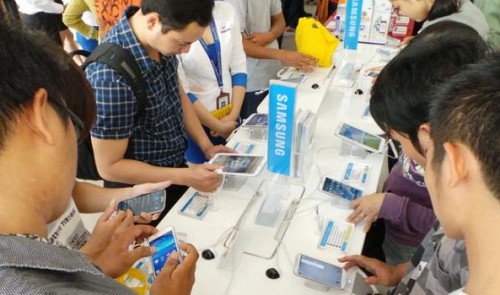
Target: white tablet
{"x":356,"y":136}
{"x":256,"y":120}
{"x":239,"y":164}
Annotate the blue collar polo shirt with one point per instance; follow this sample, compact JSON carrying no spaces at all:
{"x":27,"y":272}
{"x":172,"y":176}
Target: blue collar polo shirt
{"x":158,"y":137}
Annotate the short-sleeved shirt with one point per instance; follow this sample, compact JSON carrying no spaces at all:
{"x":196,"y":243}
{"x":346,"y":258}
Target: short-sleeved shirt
{"x":69,"y":229}
{"x":467,"y":14}
{"x":32,"y":265}
{"x":440,"y":267}
{"x":255,"y":17}
{"x":157,"y":137}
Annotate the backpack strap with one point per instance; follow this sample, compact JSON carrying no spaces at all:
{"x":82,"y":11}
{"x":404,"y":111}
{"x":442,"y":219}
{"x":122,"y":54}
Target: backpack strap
{"x":125,"y":64}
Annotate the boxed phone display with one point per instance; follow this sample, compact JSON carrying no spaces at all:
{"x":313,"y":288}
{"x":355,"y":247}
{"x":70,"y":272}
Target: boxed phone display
{"x":374,"y":26}
{"x":400,"y":26}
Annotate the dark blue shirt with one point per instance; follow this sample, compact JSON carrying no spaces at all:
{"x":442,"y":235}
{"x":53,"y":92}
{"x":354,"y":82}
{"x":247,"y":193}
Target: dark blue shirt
{"x":158,"y":137}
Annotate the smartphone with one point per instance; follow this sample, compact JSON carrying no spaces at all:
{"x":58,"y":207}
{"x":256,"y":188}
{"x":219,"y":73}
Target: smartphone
{"x":150,"y":203}
{"x":165,"y":242}
{"x":239,"y":164}
{"x":256,"y":120}
{"x":339,"y":189}
{"x":320,"y":271}
{"x":356,"y":136}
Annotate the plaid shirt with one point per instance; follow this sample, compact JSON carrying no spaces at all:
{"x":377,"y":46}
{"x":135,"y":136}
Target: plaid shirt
{"x":157,"y":137}
{"x":32,"y":265}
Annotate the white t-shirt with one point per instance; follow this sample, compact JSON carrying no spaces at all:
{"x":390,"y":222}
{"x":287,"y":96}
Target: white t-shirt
{"x":35,"y":6}
{"x":458,"y":292}
{"x":69,"y":229}
{"x":195,"y":69}
{"x":255,"y":17}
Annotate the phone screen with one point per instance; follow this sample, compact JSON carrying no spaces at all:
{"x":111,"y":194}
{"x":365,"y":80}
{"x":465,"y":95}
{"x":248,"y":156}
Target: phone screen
{"x":151,"y":203}
{"x":342,"y":190}
{"x":360,"y":136}
{"x":320,"y":271}
{"x":165,"y":245}
{"x":256,"y":120}
{"x":239,"y":164}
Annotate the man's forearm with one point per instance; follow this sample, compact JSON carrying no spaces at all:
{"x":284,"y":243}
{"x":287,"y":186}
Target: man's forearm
{"x":136,"y":172}
{"x":255,"y":51}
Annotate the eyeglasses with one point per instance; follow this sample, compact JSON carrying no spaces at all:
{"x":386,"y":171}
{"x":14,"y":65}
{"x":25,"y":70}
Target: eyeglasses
{"x":77,"y":122}
{"x":390,"y":146}
{"x":393,"y":152}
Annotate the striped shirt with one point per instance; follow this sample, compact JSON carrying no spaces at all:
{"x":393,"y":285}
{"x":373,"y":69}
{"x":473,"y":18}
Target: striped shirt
{"x":158,"y":137}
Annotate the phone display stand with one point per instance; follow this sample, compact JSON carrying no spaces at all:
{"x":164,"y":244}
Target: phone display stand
{"x":249,"y":237}
{"x":317,"y":286}
{"x":258,"y":133}
{"x":233,"y":182}
{"x":302,"y":163}
{"x":352,"y":151}
{"x":282,"y":198}
{"x":303,"y":145}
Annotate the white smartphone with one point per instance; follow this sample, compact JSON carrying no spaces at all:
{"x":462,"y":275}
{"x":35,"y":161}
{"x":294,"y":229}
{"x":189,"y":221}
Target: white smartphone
{"x":256,"y":120}
{"x":339,"y":189}
{"x":239,"y":164}
{"x":150,"y":203}
{"x":356,"y":136}
{"x":320,"y":271}
{"x":165,"y":242}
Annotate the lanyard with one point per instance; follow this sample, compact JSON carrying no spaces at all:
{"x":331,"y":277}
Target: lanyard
{"x":216,"y":59}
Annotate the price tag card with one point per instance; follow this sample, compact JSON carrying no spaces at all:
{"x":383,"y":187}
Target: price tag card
{"x":196,"y":206}
{"x":243,"y":147}
{"x":336,"y":235}
{"x":356,"y":173}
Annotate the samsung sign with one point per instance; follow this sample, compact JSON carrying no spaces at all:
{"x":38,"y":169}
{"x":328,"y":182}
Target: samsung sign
{"x":281,"y":124}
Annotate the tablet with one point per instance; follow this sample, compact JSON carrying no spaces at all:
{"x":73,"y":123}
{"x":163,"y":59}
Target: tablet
{"x":256,"y":120}
{"x":239,"y":164}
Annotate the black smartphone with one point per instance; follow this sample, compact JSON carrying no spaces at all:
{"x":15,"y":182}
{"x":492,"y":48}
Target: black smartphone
{"x":150,"y":203}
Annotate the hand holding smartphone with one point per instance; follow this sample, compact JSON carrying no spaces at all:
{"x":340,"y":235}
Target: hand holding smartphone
{"x":165,"y":242}
{"x":150,"y":203}
{"x":320,"y":271}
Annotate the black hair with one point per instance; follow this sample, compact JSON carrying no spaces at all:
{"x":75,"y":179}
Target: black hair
{"x":178,"y":14}
{"x":31,"y":61}
{"x":401,"y":94}
{"x":466,"y":109}
{"x":442,"y":8}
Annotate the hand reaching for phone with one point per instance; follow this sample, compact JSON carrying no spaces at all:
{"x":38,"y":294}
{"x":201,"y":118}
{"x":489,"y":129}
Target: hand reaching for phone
{"x":382,"y":273}
{"x":175,"y":278}
{"x":366,"y":208}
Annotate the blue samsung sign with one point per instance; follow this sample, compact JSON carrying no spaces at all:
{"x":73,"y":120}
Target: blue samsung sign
{"x":352,"y":24}
{"x":281,"y":123}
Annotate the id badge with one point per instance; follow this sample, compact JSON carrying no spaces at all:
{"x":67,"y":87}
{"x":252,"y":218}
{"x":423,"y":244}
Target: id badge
{"x":222,"y":100}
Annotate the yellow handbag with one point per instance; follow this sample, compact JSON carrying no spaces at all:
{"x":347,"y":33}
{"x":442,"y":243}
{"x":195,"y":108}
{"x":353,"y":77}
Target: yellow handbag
{"x":312,"y":38}
{"x":222,"y":112}
{"x":135,"y":280}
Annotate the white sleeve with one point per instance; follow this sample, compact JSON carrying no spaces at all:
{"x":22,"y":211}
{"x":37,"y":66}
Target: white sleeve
{"x":276,"y":7}
{"x":47,"y":6}
{"x":182,"y":73}
{"x":240,"y":9}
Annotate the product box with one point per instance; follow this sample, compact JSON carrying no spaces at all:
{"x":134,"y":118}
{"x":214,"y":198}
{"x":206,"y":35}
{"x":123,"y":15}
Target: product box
{"x":375,"y":18}
{"x":400,"y":26}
